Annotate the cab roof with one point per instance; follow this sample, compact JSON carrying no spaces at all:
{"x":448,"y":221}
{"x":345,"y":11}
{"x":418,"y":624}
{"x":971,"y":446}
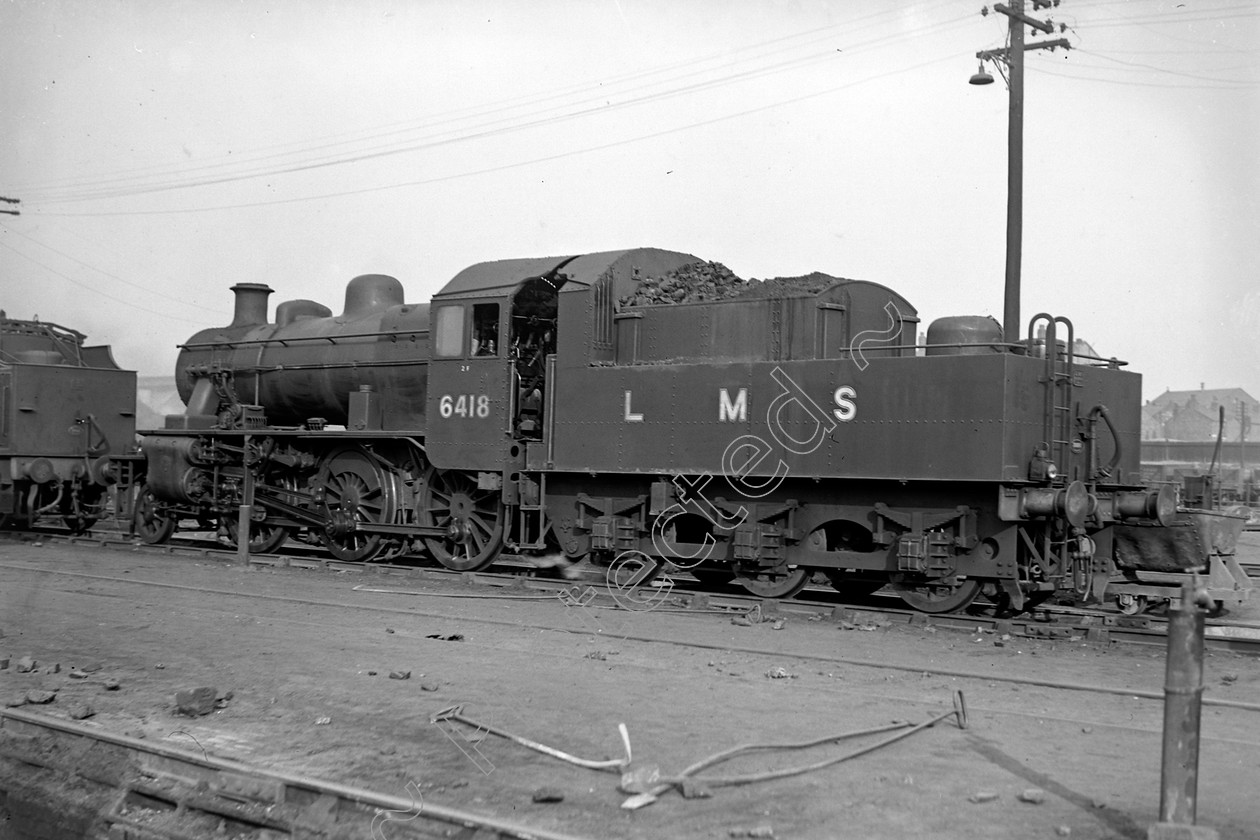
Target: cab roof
{"x":500,"y":278}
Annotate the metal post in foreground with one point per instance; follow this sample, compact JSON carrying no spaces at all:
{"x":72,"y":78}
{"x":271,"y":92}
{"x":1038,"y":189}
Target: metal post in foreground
{"x":1183,"y":696}
{"x":246,"y":512}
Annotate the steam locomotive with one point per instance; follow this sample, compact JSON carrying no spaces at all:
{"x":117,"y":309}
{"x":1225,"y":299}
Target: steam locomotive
{"x":64,"y":409}
{"x":536,"y":405}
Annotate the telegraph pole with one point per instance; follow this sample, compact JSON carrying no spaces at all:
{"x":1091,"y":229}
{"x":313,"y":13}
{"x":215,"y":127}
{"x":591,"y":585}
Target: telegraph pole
{"x":1013,"y":58}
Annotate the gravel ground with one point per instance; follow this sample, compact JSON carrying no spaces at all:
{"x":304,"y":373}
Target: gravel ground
{"x":309,"y":666}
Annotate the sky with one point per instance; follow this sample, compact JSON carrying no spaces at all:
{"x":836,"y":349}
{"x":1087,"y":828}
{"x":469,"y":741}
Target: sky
{"x":164,"y":151}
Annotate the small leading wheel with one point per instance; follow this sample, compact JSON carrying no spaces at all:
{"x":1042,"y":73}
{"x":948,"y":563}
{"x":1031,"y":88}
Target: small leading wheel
{"x":153,"y":523}
{"x":936,"y":596}
{"x":773,"y":584}
{"x":474,"y":520}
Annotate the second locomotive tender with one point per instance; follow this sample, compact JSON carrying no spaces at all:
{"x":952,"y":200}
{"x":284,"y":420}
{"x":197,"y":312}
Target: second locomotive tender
{"x":761,"y":438}
{"x":65,"y":408}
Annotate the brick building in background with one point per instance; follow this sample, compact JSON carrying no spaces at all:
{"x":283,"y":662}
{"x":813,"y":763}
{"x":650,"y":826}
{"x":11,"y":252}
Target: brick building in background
{"x":1179,"y":436}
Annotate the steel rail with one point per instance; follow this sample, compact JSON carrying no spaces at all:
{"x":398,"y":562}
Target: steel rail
{"x":1093,"y":626}
{"x":276,"y":793}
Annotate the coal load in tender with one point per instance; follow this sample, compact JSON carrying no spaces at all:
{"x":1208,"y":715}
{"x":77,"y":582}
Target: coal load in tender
{"x":704,"y":281}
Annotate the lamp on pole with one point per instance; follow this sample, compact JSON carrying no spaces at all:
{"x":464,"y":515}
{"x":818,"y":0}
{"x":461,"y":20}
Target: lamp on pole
{"x":1013,"y":58}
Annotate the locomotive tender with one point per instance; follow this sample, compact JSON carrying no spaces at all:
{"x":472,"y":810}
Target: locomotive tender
{"x":763,"y":439}
{"x":64,"y":408}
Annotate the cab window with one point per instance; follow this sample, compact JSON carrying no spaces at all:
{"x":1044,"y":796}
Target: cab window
{"x":448,"y":339}
{"x":485,"y":333}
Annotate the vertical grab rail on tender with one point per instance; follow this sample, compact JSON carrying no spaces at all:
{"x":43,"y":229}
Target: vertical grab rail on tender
{"x":1059,"y":381}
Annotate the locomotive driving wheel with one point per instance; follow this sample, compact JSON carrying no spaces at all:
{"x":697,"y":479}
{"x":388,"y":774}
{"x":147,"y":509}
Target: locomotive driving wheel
{"x":773,"y":583}
{"x":936,"y":596}
{"x":474,"y":520}
{"x":264,"y":537}
{"x":356,"y":488}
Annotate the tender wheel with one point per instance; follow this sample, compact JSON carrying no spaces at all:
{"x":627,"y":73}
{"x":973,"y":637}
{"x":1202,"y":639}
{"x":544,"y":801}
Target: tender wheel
{"x":851,"y":585}
{"x":474,"y":520}
{"x":773,"y":584}
{"x":153,"y":523}
{"x":81,"y":509}
{"x":935,"y":596}
{"x":356,"y":488}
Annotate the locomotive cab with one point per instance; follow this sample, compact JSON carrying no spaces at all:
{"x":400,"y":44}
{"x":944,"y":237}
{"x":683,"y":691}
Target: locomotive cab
{"x":504,"y":333}
{"x":494,"y":332}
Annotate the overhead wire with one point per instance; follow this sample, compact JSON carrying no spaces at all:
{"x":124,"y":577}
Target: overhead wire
{"x":147,"y":290}
{"x":602,"y":88}
{"x":1129,"y":82}
{"x":703,"y":84}
{"x":1077,"y":69}
{"x":1198,"y":16}
{"x":128,"y":303}
{"x":515,"y":164}
{"x":537,"y":121}
{"x":1132,"y":66}
{"x":483,"y":132}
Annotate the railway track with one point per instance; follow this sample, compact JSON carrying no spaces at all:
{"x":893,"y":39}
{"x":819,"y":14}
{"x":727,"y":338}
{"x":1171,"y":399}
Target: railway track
{"x":293,"y":802}
{"x":496,"y":585}
{"x":681,"y":592}
{"x":130,"y":788}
